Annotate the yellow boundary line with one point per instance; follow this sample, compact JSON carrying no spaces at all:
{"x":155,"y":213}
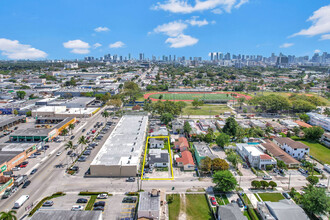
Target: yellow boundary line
{"x":145,"y":154}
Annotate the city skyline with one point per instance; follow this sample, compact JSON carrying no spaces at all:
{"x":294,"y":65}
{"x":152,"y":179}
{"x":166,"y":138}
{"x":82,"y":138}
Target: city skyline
{"x":181,"y":28}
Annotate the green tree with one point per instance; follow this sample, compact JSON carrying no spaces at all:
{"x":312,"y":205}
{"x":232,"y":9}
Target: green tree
{"x":313,"y":133}
{"x":222,"y":140}
{"x":315,"y":201}
{"x":281,"y":165}
{"x":15,"y":112}
{"x":224,"y":180}
{"x":64,"y":132}
{"x":71,"y":127}
{"x":264,"y":184}
{"x":28,"y":114}
{"x":296,"y":131}
{"x":241,"y":100}
{"x":313,"y":180}
{"x":10,"y":215}
{"x":304,"y":117}
{"x":196,"y":103}
{"x":82,"y":141}
{"x":230,"y":127}
{"x":105,"y":114}
{"x":166,"y":118}
{"x":69,"y":145}
{"x":256,"y":184}
{"x":208,"y":138}
{"x":219,"y":164}
{"x":186,"y":127}
{"x":272,"y":184}
{"x":20,"y":94}
{"x":206,"y":164}
{"x":234,"y":159}
{"x":327,"y":111}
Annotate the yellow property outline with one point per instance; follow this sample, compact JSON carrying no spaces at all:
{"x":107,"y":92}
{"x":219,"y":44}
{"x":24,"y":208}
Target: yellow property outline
{"x":145,"y":154}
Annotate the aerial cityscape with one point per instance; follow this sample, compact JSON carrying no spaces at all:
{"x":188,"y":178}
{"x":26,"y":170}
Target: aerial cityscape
{"x":165,"y":110}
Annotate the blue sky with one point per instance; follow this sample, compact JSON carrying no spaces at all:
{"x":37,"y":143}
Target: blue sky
{"x":45,"y":29}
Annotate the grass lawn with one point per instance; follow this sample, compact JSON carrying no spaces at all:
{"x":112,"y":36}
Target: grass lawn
{"x":197,"y":207}
{"x":246,"y":200}
{"x":247,"y":214}
{"x":225,"y":199}
{"x":207,"y":109}
{"x":272,"y":197}
{"x":255,"y":194}
{"x":174,"y":207}
{"x":317,"y":150}
{"x":192,"y":96}
{"x":219,"y":200}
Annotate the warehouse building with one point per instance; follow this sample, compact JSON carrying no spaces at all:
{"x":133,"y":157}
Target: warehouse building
{"x":120,"y":155}
{"x":8,"y":121}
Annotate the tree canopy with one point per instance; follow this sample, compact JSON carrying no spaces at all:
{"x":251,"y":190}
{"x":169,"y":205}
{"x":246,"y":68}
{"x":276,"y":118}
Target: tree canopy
{"x":224,"y":180}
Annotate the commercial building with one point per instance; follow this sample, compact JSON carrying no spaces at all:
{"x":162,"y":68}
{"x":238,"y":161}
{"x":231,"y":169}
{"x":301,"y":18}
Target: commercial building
{"x":120,"y":155}
{"x":149,"y":205}
{"x":254,"y":156}
{"x":325,"y":139}
{"x":319,"y":120}
{"x":283,"y":209}
{"x":63,"y":111}
{"x":294,"y":148}
{"x":202,"y":151}
{"x":280,"y":154}
{"x":66,"y":214}
{"x":8,"y":121}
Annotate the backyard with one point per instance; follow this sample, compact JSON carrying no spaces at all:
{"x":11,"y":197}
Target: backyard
{"x":197,"y":207}
{"x":317,"y":150}
{"x":272,"y":197}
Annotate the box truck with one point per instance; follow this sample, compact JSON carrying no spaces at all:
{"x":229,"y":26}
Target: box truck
{"x":21,"y":201}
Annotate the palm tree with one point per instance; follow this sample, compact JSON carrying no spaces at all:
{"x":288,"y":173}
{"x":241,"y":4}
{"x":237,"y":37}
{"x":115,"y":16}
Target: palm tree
{"x":105,"y":114}
{"x":82,"y":141}
{"x":10,"y":215}
{"x":65,"y":132}
{"x":68,"y":146}
{"x":71,"y":127}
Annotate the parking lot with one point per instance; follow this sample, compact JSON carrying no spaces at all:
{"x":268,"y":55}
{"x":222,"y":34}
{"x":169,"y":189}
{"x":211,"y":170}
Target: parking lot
{"x":114,"y":207}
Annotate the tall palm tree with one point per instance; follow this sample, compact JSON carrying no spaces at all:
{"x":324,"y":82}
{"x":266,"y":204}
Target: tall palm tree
{"x":71,"y":127}
{"x":65,"y":132}
{"x":10,"y":215}
{"x":82,"y":141}
{"x":105,"y":114}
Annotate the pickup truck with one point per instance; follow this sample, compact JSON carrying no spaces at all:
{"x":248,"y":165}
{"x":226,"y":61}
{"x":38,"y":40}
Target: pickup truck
{"x":20,"y":180}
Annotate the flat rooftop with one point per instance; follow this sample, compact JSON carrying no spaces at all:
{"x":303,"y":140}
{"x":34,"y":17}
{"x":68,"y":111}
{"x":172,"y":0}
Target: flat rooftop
{"x":124,"y":145}
{"x":148,"y":202}
{"x":203,"y":150}
{"x":31,"y":132}
{"x":66,"y":214}
{"x":5,"y":120}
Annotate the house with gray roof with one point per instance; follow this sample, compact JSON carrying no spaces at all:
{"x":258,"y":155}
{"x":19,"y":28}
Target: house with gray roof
{"x":230,"y":212}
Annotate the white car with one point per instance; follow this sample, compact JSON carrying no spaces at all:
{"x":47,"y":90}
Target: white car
{"x":77,"y":208}
{"x":16,"y":169}
{"x":59,"y":153}
{"x":267,"y":177}
{"x":102,"y":196}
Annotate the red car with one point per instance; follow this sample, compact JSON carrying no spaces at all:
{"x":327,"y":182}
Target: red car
{"x":213,"y":201}
{"x":22,"y":165}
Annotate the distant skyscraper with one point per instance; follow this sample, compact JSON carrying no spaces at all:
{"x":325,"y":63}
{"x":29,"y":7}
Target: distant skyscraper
{"x":129,"y":56}
{"x":212,"y":58}
{"x":141,"y":56}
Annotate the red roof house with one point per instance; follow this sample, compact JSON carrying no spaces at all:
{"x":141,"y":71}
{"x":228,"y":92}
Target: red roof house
{"x":186,"y":161}
{"x":182,"y":144}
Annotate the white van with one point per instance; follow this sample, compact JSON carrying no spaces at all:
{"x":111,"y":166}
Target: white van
{"x":21,"y":201}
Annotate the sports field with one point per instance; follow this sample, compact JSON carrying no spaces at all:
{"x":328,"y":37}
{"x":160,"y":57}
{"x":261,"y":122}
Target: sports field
{"x":191,"y":96}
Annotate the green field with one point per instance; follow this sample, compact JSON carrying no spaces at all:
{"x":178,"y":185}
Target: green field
{"x":192,"y":96}
{"x":206,"y":109}
{"x":174,"y":207}
{"x":317,"y":150}
{"x":272,"y":197}
{"x":197,"y":207}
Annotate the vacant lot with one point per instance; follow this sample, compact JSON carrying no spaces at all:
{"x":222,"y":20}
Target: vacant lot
{"x":317,"y":150}
{"x":197,"y":207}
{"x":205,"y":110}
{"x":174,"y":206}
{"x":272,"y":197}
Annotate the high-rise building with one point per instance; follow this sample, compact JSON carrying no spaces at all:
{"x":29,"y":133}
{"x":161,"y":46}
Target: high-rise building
{"x":141,"y":56}
{"x":212,"y":58}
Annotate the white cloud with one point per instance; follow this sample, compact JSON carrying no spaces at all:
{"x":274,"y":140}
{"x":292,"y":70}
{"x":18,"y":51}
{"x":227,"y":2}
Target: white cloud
{"x":242,"y":2}
{"x":217,"y":11}
{"x":194,"y":22}
{"x":317,"y":51}
{"x":286,"y":45}
{"x":96,"y":45}
{"x":325,"y":37}
{"x":117,"y":44}
{"x":181,"y":41}
{"x":77,"y":46}
{"x":171,"y":29}
{"x":101,"y":29}
{"x":182,"y":6}
{"x":14,"y":50}
{"x":321,"y":23}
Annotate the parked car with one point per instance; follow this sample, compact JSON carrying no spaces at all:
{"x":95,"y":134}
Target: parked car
{"x":267,"y":177}
{"x":69,"y":152}
{"x":33,"y":171}
{"x":72,"y":137}
{"x":75,"y":168}
{"x":59,"y":153}
{"x":318,"y":170}
{"x":48,"y":203}
{"x":87,"y":152}
{"x":81,"y":200}
{"x":77,"y":208}
{"x":83,"y":130}
{"x":73,"y":155}
{"x":320,"y":185}
{"x":102,"y":196}
{"x":239,"y":202}
{"x":17,"y":168}
{"x":130,"y":179}
{"x":26,"y":184}
{"x":22,"y":165}
{"x":100,"y":203}
{"x":32,"y":156}
{"x":82,"y":159}
{"x":37,"y":153}
{"x":286,"y":195}
{"x":129,"y":199}
{"x":98,"y":208}
{"x":213,"y":201}
{"x":89,"y":148}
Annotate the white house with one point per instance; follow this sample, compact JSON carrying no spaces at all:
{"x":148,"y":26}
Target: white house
{"x":294,"y":148}
{"x":254,"y":156}
{"x":155,"y":143}
{"x":319,"y":120}
{"x":158,"y":158}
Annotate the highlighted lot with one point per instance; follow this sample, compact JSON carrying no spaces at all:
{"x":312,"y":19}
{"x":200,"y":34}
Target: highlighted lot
{"x":144,"y":175}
